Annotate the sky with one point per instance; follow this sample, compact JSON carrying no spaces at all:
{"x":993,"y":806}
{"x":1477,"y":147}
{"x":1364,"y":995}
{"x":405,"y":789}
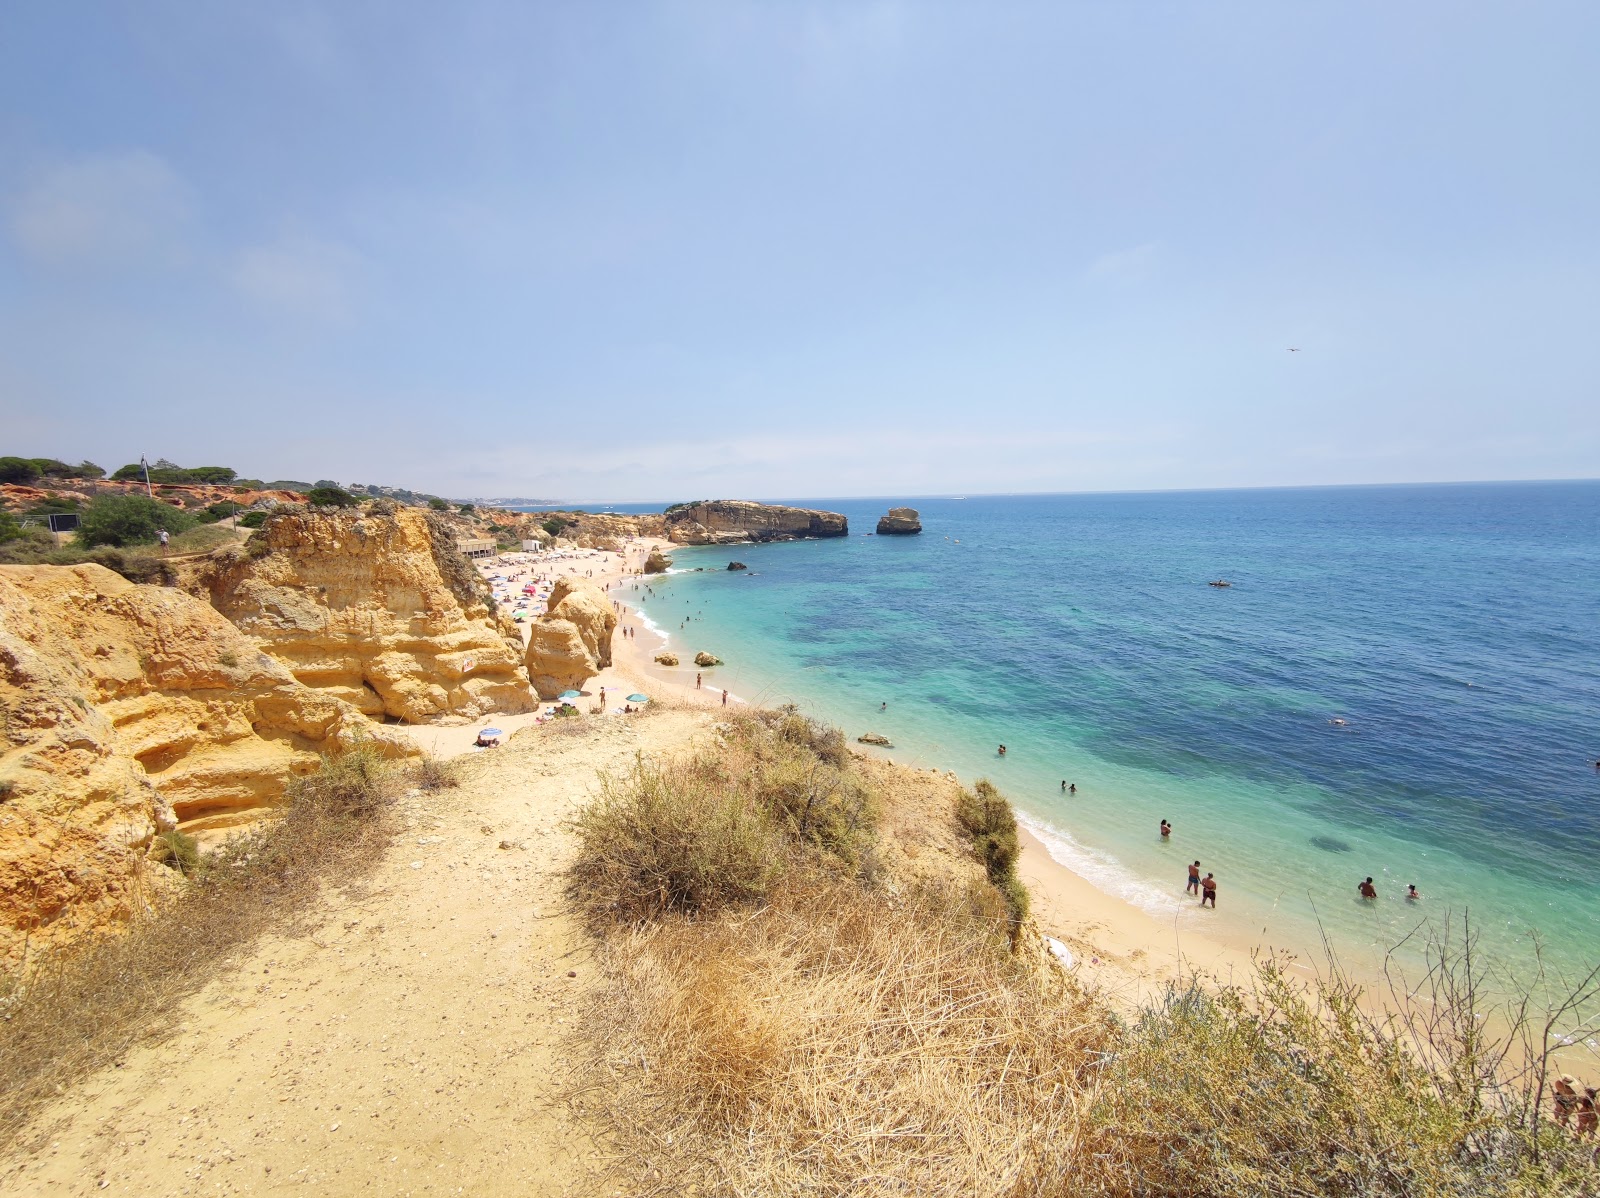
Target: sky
{"x":641,"y":251}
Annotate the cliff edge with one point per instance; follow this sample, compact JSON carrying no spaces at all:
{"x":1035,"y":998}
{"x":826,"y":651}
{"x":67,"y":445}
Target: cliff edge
{"x":129,"y":711}
{"x":378,"y":609}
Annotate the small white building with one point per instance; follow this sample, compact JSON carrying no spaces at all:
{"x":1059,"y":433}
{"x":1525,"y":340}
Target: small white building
{"x":476,"y":547}
{"x":530,"y":545}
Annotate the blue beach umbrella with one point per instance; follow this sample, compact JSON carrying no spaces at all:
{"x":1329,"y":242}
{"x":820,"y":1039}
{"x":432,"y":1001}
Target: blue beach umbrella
{"x":638,"y":698}
{"x":491,"y":732}
{"x":569,"y":696}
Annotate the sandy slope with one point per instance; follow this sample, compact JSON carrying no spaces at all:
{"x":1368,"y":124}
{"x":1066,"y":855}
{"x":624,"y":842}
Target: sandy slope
{"x":407,"y":1044}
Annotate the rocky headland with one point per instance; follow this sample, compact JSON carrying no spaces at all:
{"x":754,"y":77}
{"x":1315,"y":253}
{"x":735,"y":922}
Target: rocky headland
{"x":730,"y":521}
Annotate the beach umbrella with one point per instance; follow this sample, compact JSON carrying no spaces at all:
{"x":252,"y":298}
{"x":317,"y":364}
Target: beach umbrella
{"x":490,"y":732}
{"x":638,"y":698}
{"x":569,"y":696}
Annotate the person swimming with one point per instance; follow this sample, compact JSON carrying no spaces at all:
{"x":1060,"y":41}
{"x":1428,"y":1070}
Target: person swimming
{"x":1166,"y":829}
{"x":1411,"y":893}
{"x":1002,"y":752}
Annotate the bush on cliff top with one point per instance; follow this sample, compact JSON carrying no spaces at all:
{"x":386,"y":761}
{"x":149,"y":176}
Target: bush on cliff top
{"x":123,"y":520}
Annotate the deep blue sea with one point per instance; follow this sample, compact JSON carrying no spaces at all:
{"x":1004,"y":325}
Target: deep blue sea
{"x":1454,"y":629}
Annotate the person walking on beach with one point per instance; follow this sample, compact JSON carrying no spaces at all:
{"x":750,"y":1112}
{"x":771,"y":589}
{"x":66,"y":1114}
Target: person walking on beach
{"x":1208,"y":886}
{"x":724,"y":698}
{"x":1564,"y":1095}
{"x":1166,"y":830}
{"x":1367,"y":889}
{"x":697,"y":682}
{"x":1194,"y":879}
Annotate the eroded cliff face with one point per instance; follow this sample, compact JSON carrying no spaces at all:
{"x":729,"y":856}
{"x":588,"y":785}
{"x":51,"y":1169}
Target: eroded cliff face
{"x":126,"y":711}
{"x":571,"y":643}
{"x":725,"y":521}
{"x":900,"y":522}
{"x":377,"y":609}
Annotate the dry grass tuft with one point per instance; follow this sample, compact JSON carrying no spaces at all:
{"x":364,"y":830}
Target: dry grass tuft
{"x":434,"y":774}
{"x":69,"y":1014}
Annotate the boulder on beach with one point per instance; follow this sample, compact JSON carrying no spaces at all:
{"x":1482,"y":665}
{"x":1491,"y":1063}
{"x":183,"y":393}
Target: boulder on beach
{"x":737,"y":566}
{"x":706,"y":659}
{"x":900,"y":522}
{"x":874,"y":738}
{"x":666,"y":659}
{"x":657,"y":562}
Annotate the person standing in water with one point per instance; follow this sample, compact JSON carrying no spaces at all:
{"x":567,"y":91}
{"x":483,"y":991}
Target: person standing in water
{"x":1208,"y":887}
{"x":1166,"y":830}
{"x":1367,"y":890}
{"x":1194,"y":879}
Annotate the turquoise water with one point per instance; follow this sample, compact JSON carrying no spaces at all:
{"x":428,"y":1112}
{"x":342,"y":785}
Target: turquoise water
{"x":1455,"y":630}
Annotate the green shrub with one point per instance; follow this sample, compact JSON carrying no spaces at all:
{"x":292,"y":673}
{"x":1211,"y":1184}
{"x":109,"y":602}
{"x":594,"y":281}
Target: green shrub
{"x":10,"y":530}
{"x":672,"y":838}
{"x":465,"y":508}
{"x":19,"y":470}
{"x":438,"y":504}
{"x":252,"y":519}
{"x":992,"y":824}
{"x":122,"y":520}
{"x":178,"y":851}
{"x":330,"y":497}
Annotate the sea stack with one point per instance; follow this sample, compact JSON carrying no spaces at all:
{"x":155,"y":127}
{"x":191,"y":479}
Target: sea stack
{"x":657,"y":562}
{"x":900,"y":522}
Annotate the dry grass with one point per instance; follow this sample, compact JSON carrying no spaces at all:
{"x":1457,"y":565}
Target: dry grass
{"x":789,"y":1025}
{"x":70,"y":1014}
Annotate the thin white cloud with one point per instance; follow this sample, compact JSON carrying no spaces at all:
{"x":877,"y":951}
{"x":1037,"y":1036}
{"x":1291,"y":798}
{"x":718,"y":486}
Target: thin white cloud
{"x":302,"y":276}
{"x":1132,"y":265}
{"x":112,"y":209}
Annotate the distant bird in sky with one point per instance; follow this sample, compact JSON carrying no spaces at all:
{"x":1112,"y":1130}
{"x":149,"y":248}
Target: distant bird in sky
{"x":1294,"y":349}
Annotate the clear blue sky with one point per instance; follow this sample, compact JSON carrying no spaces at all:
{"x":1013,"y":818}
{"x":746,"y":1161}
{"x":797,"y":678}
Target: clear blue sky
{"x":660,"y":251}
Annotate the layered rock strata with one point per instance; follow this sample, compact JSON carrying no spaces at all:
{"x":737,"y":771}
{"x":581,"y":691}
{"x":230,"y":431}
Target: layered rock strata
{"x":900,"y":522}
{"x":571,"y":642}
{"x":725,"y":521}
{"x":127,"y":711}
{"x":379,"y":609}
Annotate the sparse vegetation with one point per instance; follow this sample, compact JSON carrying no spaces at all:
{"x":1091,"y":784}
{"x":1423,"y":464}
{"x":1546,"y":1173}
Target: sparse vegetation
{"x":67,"y":1014}
{"x":438,"y":505}
{"x":176,"y":851}
{"x":254,"y":519}
{"x":777,"y":1022}
{"x":163,"y":471}
{"x":992,"y":824}
{"x":432,"y":774}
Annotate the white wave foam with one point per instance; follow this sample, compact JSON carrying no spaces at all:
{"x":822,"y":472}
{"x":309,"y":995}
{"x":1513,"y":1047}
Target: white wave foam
{"x":1104,"y":872}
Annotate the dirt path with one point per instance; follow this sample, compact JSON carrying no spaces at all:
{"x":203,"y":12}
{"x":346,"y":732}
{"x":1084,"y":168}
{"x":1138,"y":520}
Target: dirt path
{"x":409,"y":1043}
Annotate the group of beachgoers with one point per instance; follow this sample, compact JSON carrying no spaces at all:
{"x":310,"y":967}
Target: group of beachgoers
{"x":1575,"y":1109}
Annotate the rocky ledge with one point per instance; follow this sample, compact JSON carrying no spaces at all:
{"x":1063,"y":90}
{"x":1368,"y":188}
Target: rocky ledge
{"x":900,"y":522}
{"x":726,"y":521}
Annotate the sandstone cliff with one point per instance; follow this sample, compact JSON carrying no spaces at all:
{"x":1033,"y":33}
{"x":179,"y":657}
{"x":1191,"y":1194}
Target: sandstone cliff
{"x":657,"y":562}
{"x":378,"y":609}
{"x":900,"y":522}
{"x":722,"y":521}
{"x":129,"y":710}
{"x":571,"y":643}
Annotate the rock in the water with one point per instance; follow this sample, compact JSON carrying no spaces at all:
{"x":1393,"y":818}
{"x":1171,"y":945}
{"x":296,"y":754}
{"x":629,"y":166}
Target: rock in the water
{"x":737,"y":566}
{"x":571,"y":643}
{"x":131,"y":710}
{"x":657,"y":562}
{"x":874,"y":738}
{"x":726,"y":521}
{"x":666,"y":659}
{"x":377,"y":609}
{"x":900,"y":522}
{"x":706,"y":659}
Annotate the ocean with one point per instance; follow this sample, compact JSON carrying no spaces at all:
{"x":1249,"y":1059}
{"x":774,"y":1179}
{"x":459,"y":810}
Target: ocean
{"x":1401,"y":682}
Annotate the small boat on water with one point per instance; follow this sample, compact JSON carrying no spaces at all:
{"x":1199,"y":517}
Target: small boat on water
{"x":1221,"y":582}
